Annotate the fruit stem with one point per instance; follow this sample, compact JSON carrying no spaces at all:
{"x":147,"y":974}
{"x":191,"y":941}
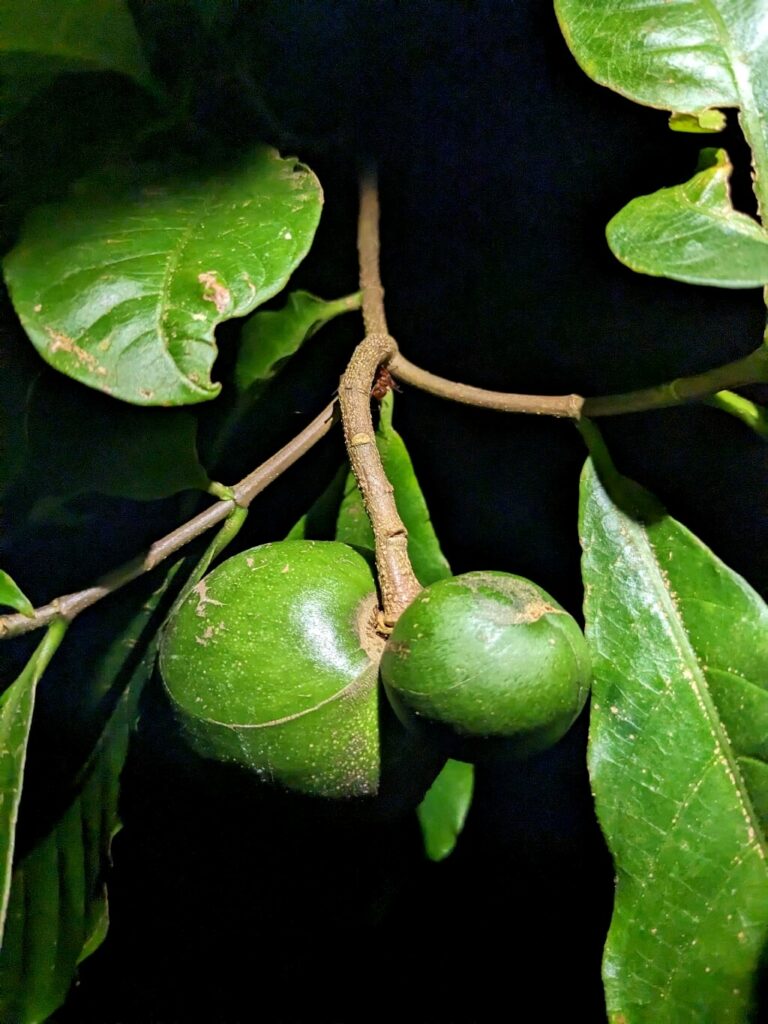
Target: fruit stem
{"x":397,"y":580}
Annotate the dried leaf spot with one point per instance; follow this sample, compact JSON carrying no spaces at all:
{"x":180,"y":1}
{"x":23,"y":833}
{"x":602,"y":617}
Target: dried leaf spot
{"x":38,"y":307}
{"x":61,"y":342}
{"x":214,"y":291}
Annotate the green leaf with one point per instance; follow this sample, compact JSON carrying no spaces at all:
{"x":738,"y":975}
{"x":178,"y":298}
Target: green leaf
{"x":444,"y":809}
{"x":16,"y":706}
{"x":353,"y":526}
{"x":753,"y":415}
{"x":686,"y":56}
{"x":79,"y":35}
{"x":692,"y":233}
{"x":13,"y":596}
{"x":703,"y":123}
{"x":677,"y":757}
{"x":319,"y":523}
{"x":58,"y":906}
{"x":272,"y":336}
{"x":123,"y":290}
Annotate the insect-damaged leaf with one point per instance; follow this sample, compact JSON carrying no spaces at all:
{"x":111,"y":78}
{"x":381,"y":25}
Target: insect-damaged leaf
{"x":677,"y":757}
{"x":122,"y":289}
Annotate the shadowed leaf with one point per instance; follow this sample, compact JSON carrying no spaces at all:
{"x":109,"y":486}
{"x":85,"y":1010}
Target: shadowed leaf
{"x":13,"y":596}
{"x":272,"y":336}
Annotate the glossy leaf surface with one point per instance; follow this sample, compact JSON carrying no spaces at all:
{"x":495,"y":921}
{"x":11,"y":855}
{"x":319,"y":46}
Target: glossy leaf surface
{"x":353,"y":526}
{"x":57,"y":913}
{"x":13,"y":596}
{"x":681,"y":55}
{"x":692,"y":233}
{"x":444,"y":809}
{"x":79,"y":35}
{"x":677,"y":758}
{"x":123,"y":291}
{"x":272,"y":336}
{"x":16,"y":706}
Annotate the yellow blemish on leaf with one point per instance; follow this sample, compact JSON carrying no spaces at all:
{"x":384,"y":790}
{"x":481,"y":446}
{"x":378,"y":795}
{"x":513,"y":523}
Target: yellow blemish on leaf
{"x":214,"y":291}
{"x":63,"y":343}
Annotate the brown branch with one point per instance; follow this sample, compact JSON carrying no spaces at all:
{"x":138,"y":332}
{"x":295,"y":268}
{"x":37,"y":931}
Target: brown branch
{"x":243,"y":493}
{"x":749,"y":370}
{"x":374,"y":317}
{"x":397,"y":580}
{"x":541,"y":405}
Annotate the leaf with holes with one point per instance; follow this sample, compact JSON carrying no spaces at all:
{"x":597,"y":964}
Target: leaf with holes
{"x":692,"y":233}
{"x":678,"y":757}
{"x":123,"y":289}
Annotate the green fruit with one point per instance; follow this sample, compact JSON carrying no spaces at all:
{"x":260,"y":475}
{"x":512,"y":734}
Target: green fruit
{"x":271,"y":662}
{"x":488,"y":654}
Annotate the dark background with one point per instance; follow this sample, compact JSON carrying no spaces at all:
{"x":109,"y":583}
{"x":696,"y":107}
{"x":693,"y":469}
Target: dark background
{"x":500,"y":163}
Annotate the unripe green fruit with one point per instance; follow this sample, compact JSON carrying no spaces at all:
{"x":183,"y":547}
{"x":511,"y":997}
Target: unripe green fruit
{"x":488,"y":654}
{"x":271,"y":662}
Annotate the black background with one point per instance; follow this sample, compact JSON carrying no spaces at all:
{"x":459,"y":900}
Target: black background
{"x":500,"y":163}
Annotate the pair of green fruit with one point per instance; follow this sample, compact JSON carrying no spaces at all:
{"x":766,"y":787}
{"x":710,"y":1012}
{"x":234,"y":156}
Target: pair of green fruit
{"x":273,"y":661}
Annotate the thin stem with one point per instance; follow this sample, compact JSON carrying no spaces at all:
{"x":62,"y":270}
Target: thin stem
{"x":541,"y":405}
{"x":749,"y":370}
{"x":397,"y":580}
{"x":70,"y":605}
{"x":374,"y":317}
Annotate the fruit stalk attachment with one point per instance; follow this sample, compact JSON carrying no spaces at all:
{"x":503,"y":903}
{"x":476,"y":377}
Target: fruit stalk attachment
{"x":397,"y":580}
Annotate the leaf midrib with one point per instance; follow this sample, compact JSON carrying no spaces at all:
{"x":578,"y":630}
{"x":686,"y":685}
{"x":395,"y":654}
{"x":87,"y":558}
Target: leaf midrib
{"x":685,"y":650}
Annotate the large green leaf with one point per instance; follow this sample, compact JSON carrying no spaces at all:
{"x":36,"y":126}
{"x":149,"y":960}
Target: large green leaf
{"x":272,"y":336}
{"x":353,"y":526}
{"x":444,"y":809}
{"x":13,"y":596}
{"x":123,"y":290}
{"x":692,"y":233}
{"x":677,"y":758}
{"x":76,"y":35}
{"x":680,"y":55}
{"x":16,"y":706}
